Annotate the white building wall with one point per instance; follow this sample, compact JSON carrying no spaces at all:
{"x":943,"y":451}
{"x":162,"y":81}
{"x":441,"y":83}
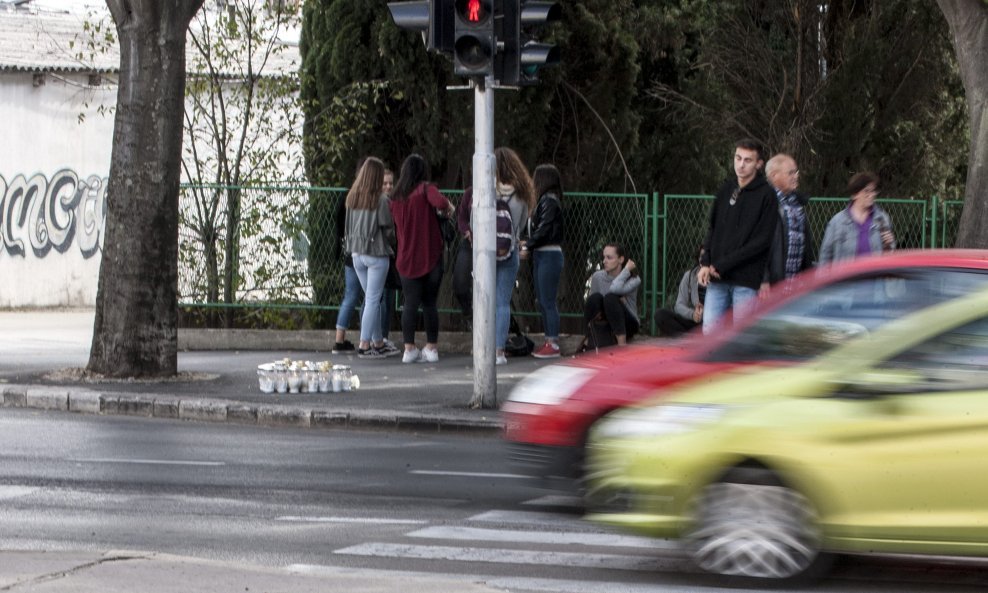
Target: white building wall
{"x":54,"y":163}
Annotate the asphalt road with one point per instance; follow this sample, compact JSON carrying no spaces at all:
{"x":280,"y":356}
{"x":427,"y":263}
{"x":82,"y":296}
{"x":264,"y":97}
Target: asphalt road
{"x":321,"y":501}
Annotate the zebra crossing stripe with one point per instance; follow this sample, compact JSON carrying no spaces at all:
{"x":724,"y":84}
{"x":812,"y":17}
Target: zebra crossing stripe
{"x":543,"y":537}
{"x":363,"y":520}
{"x":530,"y":518}
{"x":506,"y":556}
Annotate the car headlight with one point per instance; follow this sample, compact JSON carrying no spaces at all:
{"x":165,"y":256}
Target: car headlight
{"x":550,"y":385}
{"x":657,"y":420}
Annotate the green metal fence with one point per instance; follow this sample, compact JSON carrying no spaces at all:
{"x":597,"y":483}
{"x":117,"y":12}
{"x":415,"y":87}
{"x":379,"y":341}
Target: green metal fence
{"x":285,"y":255}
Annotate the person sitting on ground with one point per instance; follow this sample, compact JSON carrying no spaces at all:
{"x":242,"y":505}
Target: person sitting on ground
{"x":612,"y":306}
{"x":687,"y":313}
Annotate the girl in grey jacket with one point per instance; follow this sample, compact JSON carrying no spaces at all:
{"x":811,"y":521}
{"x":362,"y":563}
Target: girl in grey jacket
{"x":369,"y":234}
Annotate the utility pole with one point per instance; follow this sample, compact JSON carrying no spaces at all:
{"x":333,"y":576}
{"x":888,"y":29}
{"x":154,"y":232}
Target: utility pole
{"x":484,"y":265}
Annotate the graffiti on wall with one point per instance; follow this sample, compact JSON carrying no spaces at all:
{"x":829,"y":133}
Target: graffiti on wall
{"x":39,"y":215}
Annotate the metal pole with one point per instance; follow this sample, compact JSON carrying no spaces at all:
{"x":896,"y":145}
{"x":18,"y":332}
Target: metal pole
{"x":484,"y":264}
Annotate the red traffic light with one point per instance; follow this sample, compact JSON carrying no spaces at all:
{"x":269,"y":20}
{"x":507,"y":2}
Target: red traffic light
{"x":472,"y":11}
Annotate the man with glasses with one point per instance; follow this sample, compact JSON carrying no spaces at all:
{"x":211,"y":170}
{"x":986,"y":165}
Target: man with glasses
{"x":792,"y":246}
{"x":735,"y":251}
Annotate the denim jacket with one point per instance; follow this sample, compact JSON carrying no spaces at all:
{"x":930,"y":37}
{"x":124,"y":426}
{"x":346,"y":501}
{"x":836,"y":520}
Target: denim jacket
{"x":840,"y":239}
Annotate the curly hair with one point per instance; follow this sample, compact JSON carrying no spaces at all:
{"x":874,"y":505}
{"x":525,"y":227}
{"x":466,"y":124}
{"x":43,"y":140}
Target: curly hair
{"x":511,"y":171}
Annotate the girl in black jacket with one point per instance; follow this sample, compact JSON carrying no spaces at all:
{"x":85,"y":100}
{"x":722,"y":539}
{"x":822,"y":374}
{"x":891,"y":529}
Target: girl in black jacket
{"x":544,"y":243}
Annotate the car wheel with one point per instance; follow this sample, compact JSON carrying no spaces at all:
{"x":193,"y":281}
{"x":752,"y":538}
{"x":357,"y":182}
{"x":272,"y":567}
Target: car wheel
{"x":756,"y":528}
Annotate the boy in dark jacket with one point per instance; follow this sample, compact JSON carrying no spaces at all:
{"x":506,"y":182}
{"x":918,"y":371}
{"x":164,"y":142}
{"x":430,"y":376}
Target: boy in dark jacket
{"x":735,"y":251}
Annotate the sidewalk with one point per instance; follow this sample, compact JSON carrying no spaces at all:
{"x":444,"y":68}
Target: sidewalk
{"x":36,"y":347}
{"x":125,"y":572}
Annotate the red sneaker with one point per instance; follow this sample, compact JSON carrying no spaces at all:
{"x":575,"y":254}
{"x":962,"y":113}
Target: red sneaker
{"x":548,"y":350}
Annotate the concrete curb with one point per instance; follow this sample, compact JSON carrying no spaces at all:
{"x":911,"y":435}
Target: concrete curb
{"x":86,"y":401}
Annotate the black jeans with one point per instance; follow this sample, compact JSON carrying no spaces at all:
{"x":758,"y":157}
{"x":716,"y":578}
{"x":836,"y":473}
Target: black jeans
{"x":463,"y":279}
{"x":669,"y":323}
{"x":620,"y":320}
{"x":422,"y":291}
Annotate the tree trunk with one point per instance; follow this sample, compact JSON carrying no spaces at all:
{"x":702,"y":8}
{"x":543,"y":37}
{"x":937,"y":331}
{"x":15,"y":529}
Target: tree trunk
{"x":135,"y":333}
{"x":968,"y":20}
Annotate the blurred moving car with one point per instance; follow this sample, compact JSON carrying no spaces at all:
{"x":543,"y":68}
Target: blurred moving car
{"x":548,"y":415}
{"x":876,"y":447}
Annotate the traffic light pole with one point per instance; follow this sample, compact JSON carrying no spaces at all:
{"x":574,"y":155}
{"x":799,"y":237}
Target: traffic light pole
{"x":484,"y":264}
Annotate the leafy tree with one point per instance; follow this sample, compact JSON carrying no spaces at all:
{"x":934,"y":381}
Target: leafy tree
{"x":843,"y":86}
{"x":242,"y":126}
{"x":135,"y":331}
{"x":968,"y":22}
{"x":242,"y":129}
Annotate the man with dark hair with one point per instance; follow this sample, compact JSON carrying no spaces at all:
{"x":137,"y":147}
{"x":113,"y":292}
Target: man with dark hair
{"x":735,"y":251}
{"x":792,"y":244}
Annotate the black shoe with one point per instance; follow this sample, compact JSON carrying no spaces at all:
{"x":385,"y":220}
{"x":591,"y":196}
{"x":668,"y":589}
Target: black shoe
{"x":371,"y":353}
{"x":344,"y":346}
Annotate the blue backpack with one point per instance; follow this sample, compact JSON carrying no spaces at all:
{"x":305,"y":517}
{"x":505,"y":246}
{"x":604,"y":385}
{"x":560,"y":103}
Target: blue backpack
{"x":505,"y":243}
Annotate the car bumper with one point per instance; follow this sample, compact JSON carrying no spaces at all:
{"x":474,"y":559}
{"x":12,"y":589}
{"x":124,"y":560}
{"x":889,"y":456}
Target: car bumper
{"x":546,"y":461}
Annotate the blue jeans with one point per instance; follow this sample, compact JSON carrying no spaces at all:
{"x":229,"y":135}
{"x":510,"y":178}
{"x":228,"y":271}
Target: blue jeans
{"x":372,"y":272}
{"x":548,"y":267}
{"x":351,"y":293}
{"x":722,"y":297}
{"x":504,"y":285}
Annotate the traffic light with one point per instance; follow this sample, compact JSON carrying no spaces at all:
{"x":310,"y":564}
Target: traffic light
{"x":433,"y":18}
{"x":521,"y":57}
{"x":473,"y":46}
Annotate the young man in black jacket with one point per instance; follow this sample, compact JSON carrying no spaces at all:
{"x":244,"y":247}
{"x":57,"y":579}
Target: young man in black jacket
{"x":735,"y":252}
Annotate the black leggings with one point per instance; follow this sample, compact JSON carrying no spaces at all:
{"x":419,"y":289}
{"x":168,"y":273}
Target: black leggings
{"x":422,"y":291}
{"x":620,"y":320}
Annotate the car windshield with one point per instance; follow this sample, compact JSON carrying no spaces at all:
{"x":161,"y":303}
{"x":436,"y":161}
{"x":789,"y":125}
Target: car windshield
{"x":816,"y":322}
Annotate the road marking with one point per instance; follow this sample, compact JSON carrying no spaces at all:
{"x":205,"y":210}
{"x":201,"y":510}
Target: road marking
{"x":366,"y":520}
{"x":148,"y":461}
{"x":556,"y":500}
{"x":504,"y":556}
{"x":427,"y":472}
{"x":15,"y":491}
{"x":526,"y":518}
{"x":543,"y":537}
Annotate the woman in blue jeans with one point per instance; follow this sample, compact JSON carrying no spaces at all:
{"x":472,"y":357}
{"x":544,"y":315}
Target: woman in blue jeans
{"x":544,"y":246}
{"x":369,"y":235}
{"x":514,"y":187}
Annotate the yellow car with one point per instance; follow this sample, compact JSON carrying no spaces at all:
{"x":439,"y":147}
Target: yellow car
{"x":880,"y":446}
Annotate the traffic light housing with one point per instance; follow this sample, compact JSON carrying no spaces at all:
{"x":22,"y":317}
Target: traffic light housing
{"x":521,"y":57}
{"x":433,"y":18}
{"x":473,"y":45}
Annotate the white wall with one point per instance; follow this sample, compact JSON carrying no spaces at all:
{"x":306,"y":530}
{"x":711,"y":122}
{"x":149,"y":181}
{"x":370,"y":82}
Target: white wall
{"x":53,"y":172}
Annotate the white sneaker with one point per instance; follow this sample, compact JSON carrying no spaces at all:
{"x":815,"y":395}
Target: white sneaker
{"x":429,"y":355}
{"x":500,"y":359}
{"x":411,"y":355}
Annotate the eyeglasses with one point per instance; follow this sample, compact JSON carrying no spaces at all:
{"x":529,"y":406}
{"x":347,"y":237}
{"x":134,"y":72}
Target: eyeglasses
{"x":793,"y":172}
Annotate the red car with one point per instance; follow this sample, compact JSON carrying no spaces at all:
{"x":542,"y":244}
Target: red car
{"x":548,"y":414}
